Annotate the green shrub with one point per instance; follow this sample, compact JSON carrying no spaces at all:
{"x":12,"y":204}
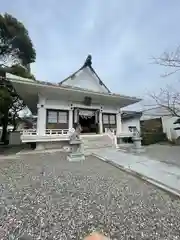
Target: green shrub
{"x":152,"y":138}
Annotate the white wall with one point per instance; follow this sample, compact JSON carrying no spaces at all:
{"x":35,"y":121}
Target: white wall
{"x":45,"y":103}
{"x":168,"y":127}
{"x":57,"y":104}
{"x":87,"y":80}
{"x":130,"y":122}
{"x":110,"y":109}
{"x":66,"y":105}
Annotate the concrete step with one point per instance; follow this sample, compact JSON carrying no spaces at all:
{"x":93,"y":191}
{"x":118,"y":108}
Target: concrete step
{"x":97,"y":147}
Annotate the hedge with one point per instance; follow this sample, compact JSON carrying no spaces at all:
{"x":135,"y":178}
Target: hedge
{"x":152,"y":138}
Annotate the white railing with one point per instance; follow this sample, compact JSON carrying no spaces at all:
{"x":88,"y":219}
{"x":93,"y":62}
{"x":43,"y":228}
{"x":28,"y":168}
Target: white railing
{"x":112,"y":134}
{"x":57,"y":131}
{"x":125,"y":134}
{"x":48,"y":132}
{"x":27,"y":132}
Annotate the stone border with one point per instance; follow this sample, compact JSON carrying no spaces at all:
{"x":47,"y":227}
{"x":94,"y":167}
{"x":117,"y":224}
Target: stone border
{"x":158,"y":184}
{"x":39,"y":151}
{"x":31,"y":152}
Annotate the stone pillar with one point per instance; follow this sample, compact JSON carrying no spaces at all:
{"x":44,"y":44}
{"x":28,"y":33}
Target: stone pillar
{"x":137,"y":144}
{"x":118,"y":123}
{"x":41,"y":117}
{"x":100,"y":122}
{"x":70,"y":119}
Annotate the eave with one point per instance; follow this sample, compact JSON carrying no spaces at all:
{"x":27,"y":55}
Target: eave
{"x":29,"y":92}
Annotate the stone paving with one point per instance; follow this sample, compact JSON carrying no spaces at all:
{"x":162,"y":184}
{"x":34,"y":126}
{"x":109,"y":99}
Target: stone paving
{"x":42,"y":196}
{"x":165,"y":153}
{"x":166,"y":176}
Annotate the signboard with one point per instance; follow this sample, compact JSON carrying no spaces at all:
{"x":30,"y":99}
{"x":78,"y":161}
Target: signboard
{"x":86,"y":113}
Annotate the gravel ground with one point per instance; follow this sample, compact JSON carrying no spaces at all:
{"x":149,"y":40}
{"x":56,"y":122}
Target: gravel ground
{"x":43,"y":196}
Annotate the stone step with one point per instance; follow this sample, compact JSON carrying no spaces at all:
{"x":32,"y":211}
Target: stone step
{"x":96,"y":142}
{"x":96,"y":147}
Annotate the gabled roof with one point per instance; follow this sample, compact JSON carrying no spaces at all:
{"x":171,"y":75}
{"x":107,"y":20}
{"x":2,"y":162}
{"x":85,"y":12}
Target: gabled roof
{"x":87,"y":64}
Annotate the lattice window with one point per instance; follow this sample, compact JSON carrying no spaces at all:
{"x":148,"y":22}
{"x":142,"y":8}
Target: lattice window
{"x":112,"y":119}
{"x":62,"y":117}
{"x":52,"y":117}
{"x":105,"y":119}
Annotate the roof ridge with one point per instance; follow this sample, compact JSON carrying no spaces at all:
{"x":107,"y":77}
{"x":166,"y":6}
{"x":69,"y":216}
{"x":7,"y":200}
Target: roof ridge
{"x":87,"y":63}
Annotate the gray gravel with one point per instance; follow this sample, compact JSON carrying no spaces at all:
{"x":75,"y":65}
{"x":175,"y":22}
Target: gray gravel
{"x":46,"y":197}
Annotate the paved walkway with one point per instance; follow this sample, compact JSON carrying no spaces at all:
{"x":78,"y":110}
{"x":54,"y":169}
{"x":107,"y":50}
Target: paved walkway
{"x":165,"y":153}
{"x":161,"y":174}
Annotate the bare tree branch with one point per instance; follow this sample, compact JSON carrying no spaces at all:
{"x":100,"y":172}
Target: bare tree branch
{"x":168,"y":99}
{"x":170,"y":60}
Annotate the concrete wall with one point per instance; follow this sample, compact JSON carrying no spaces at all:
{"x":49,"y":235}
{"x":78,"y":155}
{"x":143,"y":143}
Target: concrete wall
{"x":168,"y":127}
{"x":14,"y":138}
{"x":130,"y":122}
{"x":87,"y":80}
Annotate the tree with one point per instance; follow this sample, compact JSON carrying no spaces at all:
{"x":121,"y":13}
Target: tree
{"x":15,"y":44}
{"x":16,"y":53}
{"x":19,"y":70}
{"x":169,"y":97}
{"x":10,"y":104}
{"x":169,"y":60}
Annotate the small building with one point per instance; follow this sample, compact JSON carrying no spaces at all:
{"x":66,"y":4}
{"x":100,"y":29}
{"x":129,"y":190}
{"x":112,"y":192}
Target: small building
{"x":156,"y":119}
{"x":131,"y":121}
{"x":160,"y":117}
{"x":80,"y":98}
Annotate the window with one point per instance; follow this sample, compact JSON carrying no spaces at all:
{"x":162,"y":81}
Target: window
{"x":55,"y":116}
{"x":52,"y":117}
{"x":109,"y":119}
{"x":112,"y":119}
{"x":105,"y":119}
{"x":62,"y":117}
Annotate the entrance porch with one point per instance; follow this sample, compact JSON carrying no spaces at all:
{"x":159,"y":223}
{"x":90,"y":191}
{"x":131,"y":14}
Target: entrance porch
{"x":88,"y":120}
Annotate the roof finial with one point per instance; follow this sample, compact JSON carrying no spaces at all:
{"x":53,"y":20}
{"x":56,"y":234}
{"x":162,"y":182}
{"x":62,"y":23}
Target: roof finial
{"x":88,"y":61}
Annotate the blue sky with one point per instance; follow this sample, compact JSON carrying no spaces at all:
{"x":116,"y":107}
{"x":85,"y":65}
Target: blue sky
{"x":121,"y":35}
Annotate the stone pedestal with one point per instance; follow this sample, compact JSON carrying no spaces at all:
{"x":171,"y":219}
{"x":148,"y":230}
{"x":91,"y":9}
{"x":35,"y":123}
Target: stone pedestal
{"x":39,"y":146}
{"x":75,"y":154}
{"x":137,"y":145}
{"x":119,"y":140}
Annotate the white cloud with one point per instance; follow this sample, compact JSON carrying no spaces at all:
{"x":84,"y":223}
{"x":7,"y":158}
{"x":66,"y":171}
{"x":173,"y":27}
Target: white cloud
{"x":121,"y":35}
